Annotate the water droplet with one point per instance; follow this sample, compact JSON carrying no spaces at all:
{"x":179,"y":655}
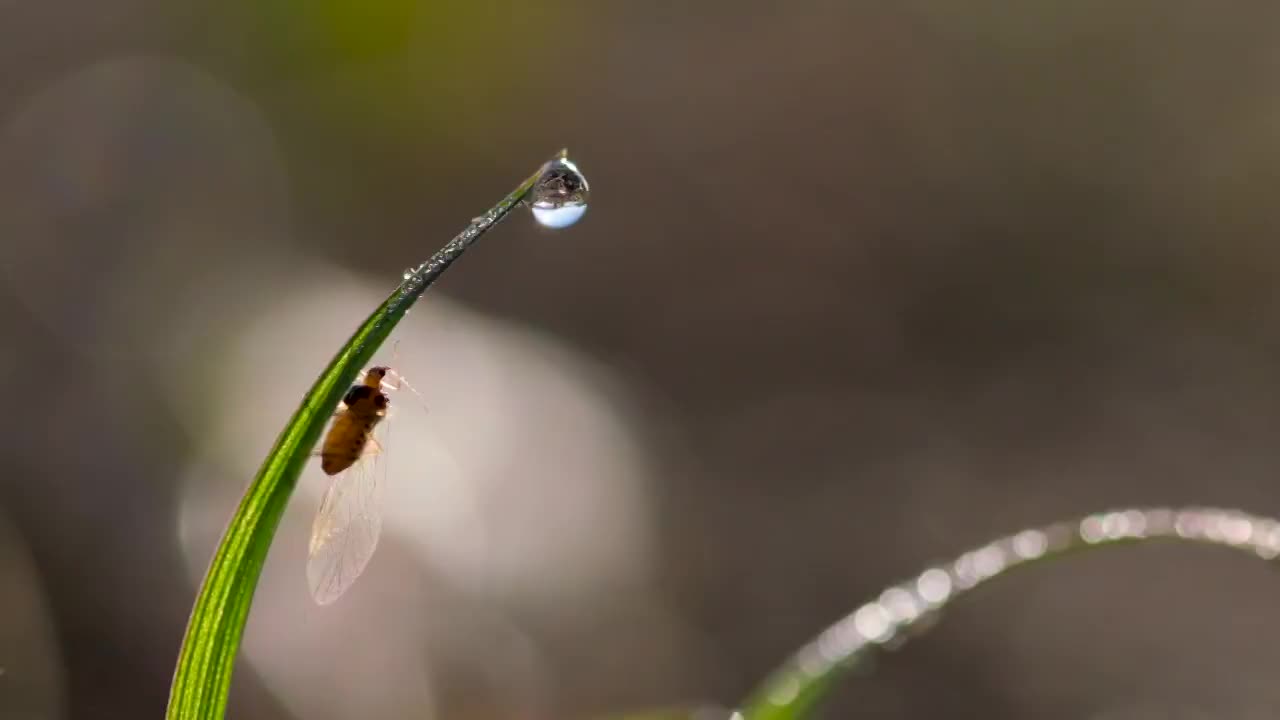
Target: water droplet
{"x":559,"y":197}
{"x":408,"y":273}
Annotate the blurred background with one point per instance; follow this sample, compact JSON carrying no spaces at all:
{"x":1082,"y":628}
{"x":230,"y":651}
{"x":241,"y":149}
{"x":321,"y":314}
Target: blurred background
{"x":862,"y":285}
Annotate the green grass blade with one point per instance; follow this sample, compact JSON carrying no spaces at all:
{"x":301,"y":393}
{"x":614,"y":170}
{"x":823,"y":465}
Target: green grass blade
{"x":203,"y":675}
{"x":910,"y":607}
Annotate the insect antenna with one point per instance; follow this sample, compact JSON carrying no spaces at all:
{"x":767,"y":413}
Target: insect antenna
{"x":400,"y":380}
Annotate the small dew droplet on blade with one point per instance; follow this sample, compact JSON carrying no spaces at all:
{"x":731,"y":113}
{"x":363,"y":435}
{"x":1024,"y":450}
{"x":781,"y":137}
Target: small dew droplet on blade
{"x":559,"y":197}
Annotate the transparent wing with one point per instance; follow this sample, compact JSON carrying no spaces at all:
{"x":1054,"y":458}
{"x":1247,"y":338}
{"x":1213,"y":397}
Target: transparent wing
{"x":345,"y":532}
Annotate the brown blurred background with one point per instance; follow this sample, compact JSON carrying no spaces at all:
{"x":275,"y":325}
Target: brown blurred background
{"x":861,"y":285}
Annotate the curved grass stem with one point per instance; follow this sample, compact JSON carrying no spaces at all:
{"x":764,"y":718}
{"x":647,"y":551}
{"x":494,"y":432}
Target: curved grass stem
{"x":910,"y":607}
{"x":202,"y":678}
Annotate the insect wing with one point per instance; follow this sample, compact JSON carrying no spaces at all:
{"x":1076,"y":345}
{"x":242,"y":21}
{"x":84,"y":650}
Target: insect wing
{"x":346,"y":529}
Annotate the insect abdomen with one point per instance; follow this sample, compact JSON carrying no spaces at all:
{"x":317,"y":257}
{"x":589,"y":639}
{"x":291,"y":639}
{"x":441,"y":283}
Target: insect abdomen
{"x":344,"y":443}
